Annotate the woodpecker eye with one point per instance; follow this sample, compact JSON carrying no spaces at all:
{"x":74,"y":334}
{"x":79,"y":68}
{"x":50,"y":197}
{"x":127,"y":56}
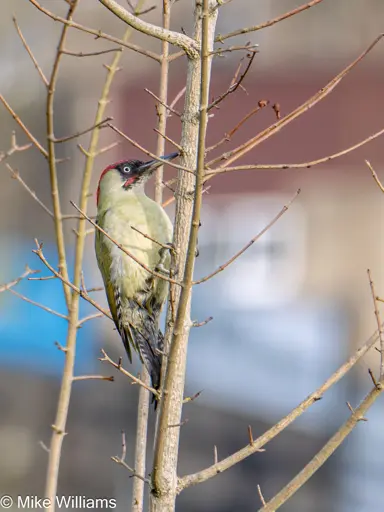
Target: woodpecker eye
{"x":126,"y":169}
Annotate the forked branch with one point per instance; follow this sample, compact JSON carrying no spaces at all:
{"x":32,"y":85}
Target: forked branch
{"x":184,"y":42}
{"x":98,"y":33}
{"x":241,"y":150}
{"x":323,"y":455}
{"x":27,"y":272}
{"x":76,"y":289}
{"x":258,"y":443}
{"x":303,"y":165}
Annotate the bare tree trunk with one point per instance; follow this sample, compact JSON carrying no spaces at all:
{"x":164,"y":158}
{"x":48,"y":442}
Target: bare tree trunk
{"x":164,"y":477}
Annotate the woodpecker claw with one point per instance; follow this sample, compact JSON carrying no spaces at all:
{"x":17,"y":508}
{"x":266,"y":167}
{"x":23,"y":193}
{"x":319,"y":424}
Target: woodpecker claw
{"x":162,"y":270}
{"x":168,"y":246}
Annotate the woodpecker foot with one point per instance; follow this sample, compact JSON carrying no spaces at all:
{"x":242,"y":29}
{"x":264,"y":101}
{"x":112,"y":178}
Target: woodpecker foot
{"x":160,"y":269}
{"x":163,"y":253}
{"x":167,"y":248}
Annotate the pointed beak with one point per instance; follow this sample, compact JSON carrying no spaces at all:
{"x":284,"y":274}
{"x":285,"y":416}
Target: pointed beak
{"x":152,"y":165}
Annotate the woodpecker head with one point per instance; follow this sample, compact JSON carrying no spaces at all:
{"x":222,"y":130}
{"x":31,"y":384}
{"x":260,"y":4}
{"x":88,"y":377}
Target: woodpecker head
{"x":128,"y":174}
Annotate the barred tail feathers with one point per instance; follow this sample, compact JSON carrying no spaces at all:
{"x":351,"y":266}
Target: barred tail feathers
{"x":149,"y":356}
{"x":139,"y":329}
{"x":123,"y":331}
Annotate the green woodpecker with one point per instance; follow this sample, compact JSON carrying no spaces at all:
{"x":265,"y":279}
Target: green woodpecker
{"x":135,"y":296}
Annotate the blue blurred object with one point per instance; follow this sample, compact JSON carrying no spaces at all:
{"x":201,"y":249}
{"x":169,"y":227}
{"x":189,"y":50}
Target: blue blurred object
{"x":27,"y":332}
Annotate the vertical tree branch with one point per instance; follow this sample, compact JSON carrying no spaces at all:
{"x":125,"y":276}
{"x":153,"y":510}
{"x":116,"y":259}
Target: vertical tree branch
{"x":163,"y":95}
{"x":70,"y":348}
{"x":143,"y":405}
{"x":58,"y":428}
{"x":141,"y":444}
{"x":58,"y":218}
{"x":164,"y":478}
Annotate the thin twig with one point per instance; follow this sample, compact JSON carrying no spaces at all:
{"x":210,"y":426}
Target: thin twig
{"x":107,"y":148}
{"x":94,"y":377}
{"x":107,"y":359}
{"x":250,"y":435}
{"x":43,"y":446}
{"x":378,"y":320}
{"x":126,"y":466}
{"x":192,"y":398}
{"x":165,"y":246}
{"x":29,"y":51}
{"x":251,"y":242}
{"x":98,"y":33}
{"x":229,"y":49}
{"x":121,"y":461}
{"x":241,"y":150}
{"x":60,"y":347}
{"x":172,"y":199}
{"x":32,"y":193}
{"x":215,"y":457}
{"x":177,"y":146}
{"x":261,"y":104}
{"x":269,"y":23}
{"x":221,"y":3}
{"x":168,"y":107}
{"x":41,"y":306}
{"x":260,"y":495}
{"x":90,"y":54}
{"x":83,"y":295}
{"x":89,"y":317}
{"x":305,"y":165}
{"x":83,"y":132}
{"x":204,"y":322}
{"x":33,"y":139}
{"x":234,"y":86}
{"x":373,"y":378}
{"x":178,"y":425}
{"x":125,"y":251}
{"x":145,"y":151}
{"x":43,"y":278}
{"x":8,"y":286}
{"x":375,"y":176}
{"x":178,"y":96}
{"x":13,"y":149}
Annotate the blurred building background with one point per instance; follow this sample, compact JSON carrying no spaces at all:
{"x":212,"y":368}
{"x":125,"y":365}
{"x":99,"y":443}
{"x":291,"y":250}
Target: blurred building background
{"x":286,"y":314}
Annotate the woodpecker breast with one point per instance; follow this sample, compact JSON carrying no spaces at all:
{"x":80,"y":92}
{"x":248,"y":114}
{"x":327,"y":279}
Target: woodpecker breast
{"x":118,"y":211}
{"x":148,"y":218}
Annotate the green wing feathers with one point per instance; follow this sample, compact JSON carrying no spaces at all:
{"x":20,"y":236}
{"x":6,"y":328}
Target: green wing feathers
{"x":136,"y":318}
